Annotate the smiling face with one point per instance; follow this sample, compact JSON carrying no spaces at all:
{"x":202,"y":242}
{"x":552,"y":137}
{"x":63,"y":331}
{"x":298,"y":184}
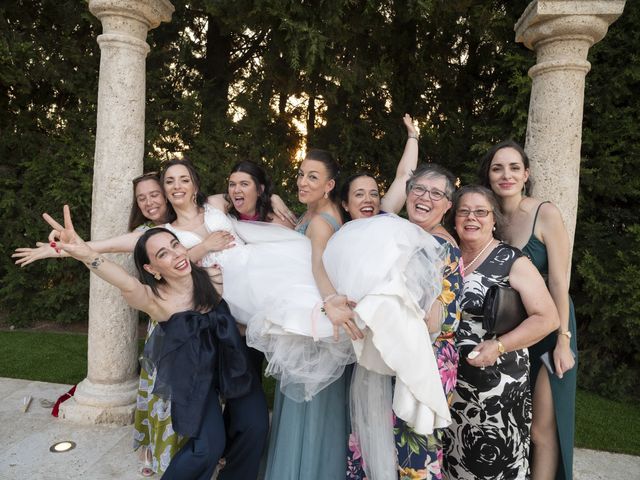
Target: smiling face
{"x":364,"y":198}
{"x":474,"y":229}
{"x":243,"y":193}
{"x":151,"y":200}
{"x":422,"y":209}
{"x":178,"y":186}
{"x":507,"y":173}
{"x":313,"y":181}
{"x":167,"y":256}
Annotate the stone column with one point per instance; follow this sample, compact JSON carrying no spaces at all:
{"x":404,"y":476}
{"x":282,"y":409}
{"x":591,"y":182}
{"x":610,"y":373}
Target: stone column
{"x":108,"y":394}
{"x":561,"y":33}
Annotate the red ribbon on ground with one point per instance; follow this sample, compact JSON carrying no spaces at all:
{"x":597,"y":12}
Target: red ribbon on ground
{"x":62,"y":398}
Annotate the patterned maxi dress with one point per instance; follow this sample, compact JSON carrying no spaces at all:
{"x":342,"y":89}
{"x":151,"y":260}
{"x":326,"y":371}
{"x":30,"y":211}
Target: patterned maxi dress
{"x":153,"y":429}
{"x":419,"y":456}
{"x":491,"y":410}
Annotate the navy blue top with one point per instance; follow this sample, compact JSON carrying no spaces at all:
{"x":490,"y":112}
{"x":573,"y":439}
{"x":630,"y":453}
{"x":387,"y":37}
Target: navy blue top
{"x":191,"y":352}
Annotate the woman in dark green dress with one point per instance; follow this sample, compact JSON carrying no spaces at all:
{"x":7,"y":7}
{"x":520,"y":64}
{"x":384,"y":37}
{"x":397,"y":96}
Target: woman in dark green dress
{"x":538,"y":230}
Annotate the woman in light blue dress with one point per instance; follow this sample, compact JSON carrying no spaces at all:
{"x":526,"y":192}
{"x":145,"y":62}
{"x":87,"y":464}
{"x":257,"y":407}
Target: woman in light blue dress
{"x":308,"y":439}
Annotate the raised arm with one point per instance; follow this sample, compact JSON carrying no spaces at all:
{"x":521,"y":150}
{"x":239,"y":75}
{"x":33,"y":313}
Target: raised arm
{"x":395,"y":197}
{"x":136,"y":294}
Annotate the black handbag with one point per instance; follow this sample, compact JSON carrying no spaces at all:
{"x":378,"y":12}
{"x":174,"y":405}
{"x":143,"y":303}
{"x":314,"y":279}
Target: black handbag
{"x":502,"y":310}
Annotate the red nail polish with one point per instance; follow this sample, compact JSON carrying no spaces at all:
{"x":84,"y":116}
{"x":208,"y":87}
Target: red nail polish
{"x":53,"y":244}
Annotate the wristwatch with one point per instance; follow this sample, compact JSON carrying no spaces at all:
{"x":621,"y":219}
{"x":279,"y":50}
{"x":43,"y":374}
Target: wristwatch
{"x":566,"y":334}
{"x":501,"y":348}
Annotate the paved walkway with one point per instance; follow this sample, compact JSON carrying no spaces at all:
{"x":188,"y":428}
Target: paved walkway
{"x":104,"y":452}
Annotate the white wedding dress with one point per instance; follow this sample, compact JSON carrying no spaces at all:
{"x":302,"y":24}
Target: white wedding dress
{"x":269,"y":286}
{"x":389,"y":266}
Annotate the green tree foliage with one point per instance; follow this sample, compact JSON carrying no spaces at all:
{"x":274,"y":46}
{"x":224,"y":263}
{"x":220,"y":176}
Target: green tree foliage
{"x":264,"y":79}
{"x":48,"y":94}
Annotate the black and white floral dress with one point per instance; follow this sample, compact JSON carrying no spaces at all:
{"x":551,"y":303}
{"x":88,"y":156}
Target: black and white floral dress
{"x":491,"y":409}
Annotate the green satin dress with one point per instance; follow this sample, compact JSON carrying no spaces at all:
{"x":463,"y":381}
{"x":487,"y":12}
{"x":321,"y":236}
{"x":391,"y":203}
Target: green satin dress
{"x":563,"y":389}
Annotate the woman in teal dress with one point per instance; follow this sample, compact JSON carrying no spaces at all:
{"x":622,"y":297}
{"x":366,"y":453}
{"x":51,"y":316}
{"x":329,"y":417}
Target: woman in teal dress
{"x":538,"y":230}
{"x":308,"y":439}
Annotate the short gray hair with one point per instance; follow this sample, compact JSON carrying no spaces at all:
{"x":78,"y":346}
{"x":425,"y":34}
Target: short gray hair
{"x":433,"y":170}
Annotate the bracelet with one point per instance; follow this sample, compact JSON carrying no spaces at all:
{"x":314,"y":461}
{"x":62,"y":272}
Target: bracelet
{"x":327,"y":298}
{"x":566,"y":334}
{"x":412,"y":135}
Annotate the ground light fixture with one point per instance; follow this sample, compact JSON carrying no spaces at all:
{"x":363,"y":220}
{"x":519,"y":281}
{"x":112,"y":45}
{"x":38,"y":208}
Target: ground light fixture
{"x":63,"y":446}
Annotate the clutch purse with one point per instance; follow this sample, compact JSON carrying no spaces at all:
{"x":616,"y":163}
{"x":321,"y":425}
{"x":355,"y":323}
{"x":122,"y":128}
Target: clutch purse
{"x":502,"y":310}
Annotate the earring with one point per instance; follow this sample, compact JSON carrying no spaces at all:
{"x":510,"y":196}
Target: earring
{"x":157,"y":276}
{"x":494,"y":228}
{"x":326,"y":195}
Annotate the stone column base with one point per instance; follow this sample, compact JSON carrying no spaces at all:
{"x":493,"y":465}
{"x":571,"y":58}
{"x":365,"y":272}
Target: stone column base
{"x":87,"y":414}
{"x":101,"y":404}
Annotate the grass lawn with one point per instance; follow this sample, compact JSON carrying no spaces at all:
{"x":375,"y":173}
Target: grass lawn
{"x":601,"y":423}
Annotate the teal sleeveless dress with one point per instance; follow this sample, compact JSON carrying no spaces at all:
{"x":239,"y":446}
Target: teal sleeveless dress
{"x":308,"y":440}
{"x":563,"y":389}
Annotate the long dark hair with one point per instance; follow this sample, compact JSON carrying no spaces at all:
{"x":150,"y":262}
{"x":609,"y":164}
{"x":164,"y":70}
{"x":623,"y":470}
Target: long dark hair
{"x":485,"y":164}
{"x":332,"y":166}
{"x":205,"y":296}
{"x":260,"y":179}
{"x":200,"y":199}
{"x":136,"y":217}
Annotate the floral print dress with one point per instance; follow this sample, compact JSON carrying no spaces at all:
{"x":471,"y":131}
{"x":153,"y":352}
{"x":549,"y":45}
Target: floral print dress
{"x":153,"y":429}
{"x":491,"y":410}
{"x":420,"y":457}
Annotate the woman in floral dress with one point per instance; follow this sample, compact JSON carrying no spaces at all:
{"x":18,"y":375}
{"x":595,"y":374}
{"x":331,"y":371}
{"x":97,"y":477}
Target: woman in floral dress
{"x":429,"y":190}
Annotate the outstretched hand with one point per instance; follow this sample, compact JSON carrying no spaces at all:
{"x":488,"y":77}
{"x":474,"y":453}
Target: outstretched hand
{"x":66,"y":238}
{"x":25,"y":255}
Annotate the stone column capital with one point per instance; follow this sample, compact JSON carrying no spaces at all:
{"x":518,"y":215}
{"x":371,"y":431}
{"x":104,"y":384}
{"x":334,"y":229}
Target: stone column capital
{"x":548,"y":20}
{"x":131,"y":17}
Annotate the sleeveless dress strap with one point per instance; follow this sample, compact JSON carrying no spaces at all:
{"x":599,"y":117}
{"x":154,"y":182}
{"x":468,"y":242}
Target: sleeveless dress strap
{"x":331,"y":221}
{"x":535,"y":219}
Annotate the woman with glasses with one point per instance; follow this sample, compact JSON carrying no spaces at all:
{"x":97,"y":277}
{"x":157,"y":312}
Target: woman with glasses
{"x":429,"y":193}
{"x":491,"y":409}
{"x":537,"y":228}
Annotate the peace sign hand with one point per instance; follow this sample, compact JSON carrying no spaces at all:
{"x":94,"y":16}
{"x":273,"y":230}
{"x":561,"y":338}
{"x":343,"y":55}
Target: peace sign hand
{"x":66,"y":237}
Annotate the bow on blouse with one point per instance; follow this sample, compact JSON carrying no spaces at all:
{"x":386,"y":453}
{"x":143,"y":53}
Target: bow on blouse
{"x":191,"y":352}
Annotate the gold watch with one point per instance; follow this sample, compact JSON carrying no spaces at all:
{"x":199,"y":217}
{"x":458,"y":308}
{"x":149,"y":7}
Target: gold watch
{"x":566,"y":334}
{"x":501,"y":348}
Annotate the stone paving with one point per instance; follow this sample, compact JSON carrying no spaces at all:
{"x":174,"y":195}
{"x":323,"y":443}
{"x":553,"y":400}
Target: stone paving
{"x":104,"y":452}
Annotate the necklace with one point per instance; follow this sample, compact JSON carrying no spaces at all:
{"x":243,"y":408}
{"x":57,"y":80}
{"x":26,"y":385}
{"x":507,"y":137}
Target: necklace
{"x":464,"y":269}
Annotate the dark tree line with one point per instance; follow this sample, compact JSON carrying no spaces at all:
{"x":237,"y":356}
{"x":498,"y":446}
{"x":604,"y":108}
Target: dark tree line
{"x":236,"y":79}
